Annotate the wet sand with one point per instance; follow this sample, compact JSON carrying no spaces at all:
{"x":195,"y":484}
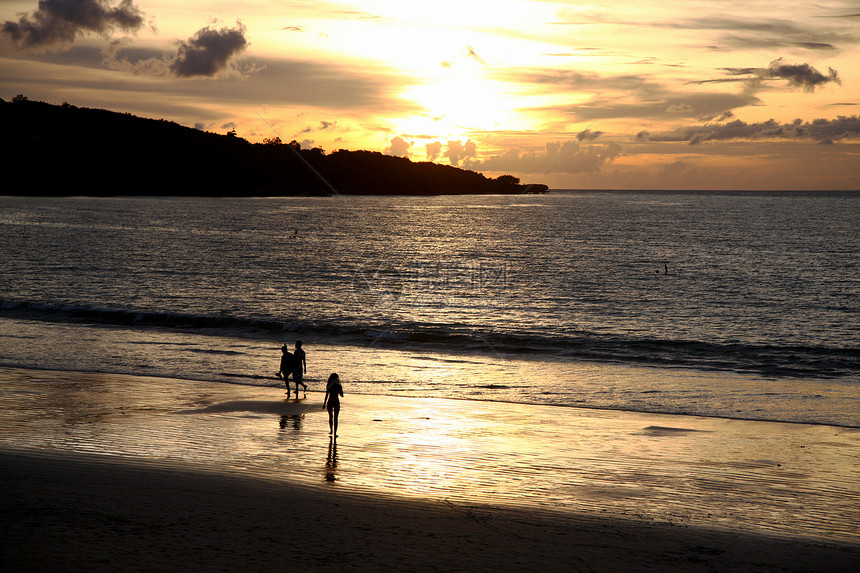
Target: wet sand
{"x":108,"y":472}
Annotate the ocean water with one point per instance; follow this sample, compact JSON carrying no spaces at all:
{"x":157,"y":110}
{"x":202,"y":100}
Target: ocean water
{"x":737,"y":305}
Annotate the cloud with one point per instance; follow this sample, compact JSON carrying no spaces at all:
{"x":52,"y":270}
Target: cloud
{"x":801,"y":75}
{"x":588,"y":135}
{"x":399,"y":147}
{"x":745,"y":33}
{"x":323,"y":126}
{"x":208,"y":51}
{"x":632,"y":96}
{"x":668,"y":106}
{"x":471,"y":53}
{"x":135,"y":61}
{"x":798,"y":75}
{"x":557,"y":157}
{"x":314,"y":85}
{"x":433,"y":150}
{"x":629,"y":96}
{"x":342,"y":90}
{"x":57,"y":23}
{"x":734,"y":32}
{"x":457,"y":151}
{"x":822,"y":130}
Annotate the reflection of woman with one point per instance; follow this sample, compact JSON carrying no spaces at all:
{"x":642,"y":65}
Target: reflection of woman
{"x":333,"y":393}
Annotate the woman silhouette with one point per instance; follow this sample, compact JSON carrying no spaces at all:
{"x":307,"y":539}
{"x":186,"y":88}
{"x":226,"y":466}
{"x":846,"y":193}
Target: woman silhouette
{"x":333,"y":393}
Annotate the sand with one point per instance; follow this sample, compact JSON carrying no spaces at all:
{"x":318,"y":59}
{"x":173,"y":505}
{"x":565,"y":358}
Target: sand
{"x":122,"y":473}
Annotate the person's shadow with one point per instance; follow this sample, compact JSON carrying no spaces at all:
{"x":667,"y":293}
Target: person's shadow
{"x":331,"y":461}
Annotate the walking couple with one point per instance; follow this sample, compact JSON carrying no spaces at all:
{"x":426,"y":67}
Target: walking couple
{"x":293,"y":363}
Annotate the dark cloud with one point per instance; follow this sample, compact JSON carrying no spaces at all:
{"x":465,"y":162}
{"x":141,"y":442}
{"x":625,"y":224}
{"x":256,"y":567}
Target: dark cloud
{"x":208,"y":51}
{"x":206,"y":54}
{"x":798,"y":75}
{"x":739,"y":42}
{"x":57,"y":23}
{"x":822,"y":130}
{"x":630,"y":96}
{"x":801,"y":75}
{"x":588,"y":135}
{"x":323,"y":126}
{"x":815,"y":45}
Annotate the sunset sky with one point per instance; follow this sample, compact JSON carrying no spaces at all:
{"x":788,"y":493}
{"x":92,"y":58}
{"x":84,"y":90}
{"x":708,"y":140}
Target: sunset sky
{"x":693,"y":94}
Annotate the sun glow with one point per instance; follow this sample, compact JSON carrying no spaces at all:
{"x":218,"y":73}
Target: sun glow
{"x":512,"y":76}
{"x":463,"y":102}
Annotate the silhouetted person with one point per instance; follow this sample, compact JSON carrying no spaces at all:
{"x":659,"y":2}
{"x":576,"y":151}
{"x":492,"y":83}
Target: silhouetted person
{"x":287,"y":360}
{"x":333,"y":394}
{"x":300,"y":367}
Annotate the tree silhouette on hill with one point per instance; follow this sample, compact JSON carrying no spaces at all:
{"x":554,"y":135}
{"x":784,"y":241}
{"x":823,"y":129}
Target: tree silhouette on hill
{"x":64,"y":150}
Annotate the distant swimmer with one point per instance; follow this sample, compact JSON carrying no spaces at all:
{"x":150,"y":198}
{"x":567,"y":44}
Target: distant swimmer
{"x":333,"y":394}
{"x":287,"y":361}
{"x":300,"y":367}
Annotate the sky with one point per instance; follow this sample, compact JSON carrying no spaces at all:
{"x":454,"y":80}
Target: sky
{"x":690,"y":94}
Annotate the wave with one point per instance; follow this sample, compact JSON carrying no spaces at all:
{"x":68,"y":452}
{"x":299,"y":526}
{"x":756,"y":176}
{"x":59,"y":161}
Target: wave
{"x":765,"y":360}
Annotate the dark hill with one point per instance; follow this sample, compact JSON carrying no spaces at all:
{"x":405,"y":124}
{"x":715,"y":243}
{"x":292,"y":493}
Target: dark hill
{"x":67,"y":150}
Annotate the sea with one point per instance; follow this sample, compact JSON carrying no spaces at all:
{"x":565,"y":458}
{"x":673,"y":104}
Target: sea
{"x":715,"y":304}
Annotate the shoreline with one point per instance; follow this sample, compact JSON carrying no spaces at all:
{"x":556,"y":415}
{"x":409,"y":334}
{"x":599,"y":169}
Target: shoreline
{"x":276,"y":381}
{"x":532,"y":487}
{"x":85,"y":512}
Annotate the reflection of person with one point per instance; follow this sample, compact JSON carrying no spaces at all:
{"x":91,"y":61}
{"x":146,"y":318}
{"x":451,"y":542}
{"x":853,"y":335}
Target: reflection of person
{"x":286,"y":368}
{"x":333,"y":393}
{"x":294,"y":420}
{"x":300,"y":367}
{"x":331,"y":461}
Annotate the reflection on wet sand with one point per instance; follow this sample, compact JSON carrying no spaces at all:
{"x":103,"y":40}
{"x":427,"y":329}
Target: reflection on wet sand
{"x":760,"y":476}
{"x":331,"y":461}
{"x":293,"y":421}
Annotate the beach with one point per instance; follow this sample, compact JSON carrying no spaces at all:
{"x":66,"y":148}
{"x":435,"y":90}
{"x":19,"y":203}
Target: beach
{"x":105,"y":472}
